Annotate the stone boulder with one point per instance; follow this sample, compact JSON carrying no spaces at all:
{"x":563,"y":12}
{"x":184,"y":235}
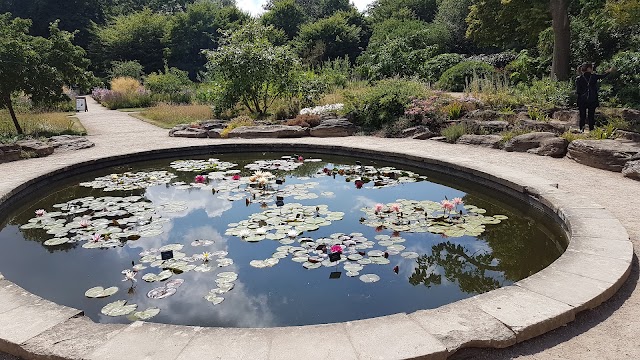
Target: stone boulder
{"x":412,"y":131}
{"x":570,"y":117}
{"x":494,"y":126}
{"x":554,"y":147}
{"x":610,"y":155}
{"x":427,"y":134}
{"x":38,"y":147}
{"x":554,"y":126}
{"x":526,"y":142}
{"x":632,"y":169}
{"x":189,"y":132}
{"x":334,"y":128}
{"x":70,"y":142}
{"x":9,"y":152}
{"x":483,"y":115}
{"x":490,"y":141}
{"x":213,"y":124}
{"x":268,"y":131}
{"x":627,"y":135}
{"x":214,"y":133}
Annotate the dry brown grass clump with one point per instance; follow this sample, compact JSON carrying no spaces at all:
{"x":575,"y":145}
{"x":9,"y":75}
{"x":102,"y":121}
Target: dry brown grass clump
{"x":168,"y":116}
{"x":41,"y":124}
{"x":305,"y":120}
{"x":236,"y":123}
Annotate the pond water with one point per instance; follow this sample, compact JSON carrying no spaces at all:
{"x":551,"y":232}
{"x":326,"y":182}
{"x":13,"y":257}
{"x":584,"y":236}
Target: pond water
{"x":263,"y":240}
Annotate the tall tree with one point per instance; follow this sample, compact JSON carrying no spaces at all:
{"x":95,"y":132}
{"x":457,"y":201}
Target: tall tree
{"x":562,"y":39}
{"x":37,"y":66}
{"x":286,"y":15}
{"x":381,"y":10}
{"x":199,"y":28}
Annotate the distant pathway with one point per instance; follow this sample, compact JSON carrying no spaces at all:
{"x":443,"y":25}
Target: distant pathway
{"x":611,"y":331}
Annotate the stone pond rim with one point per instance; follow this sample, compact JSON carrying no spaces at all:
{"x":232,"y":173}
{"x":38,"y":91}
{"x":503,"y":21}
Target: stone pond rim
{"x":596,"y":263}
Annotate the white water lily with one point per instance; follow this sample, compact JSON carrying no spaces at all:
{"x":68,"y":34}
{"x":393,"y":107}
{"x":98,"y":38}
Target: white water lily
{"x":129,"y":275}
{"x":206,"y":256}
{"x":244,"y":233}
{"x":263,"y":174}
{"x":292,"y":233}
{"x":261,"y":231}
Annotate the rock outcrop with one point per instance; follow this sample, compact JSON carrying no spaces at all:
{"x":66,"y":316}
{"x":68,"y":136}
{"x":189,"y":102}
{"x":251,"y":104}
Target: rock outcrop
{"x":490,"y":141}
{"x":334,"y":128}
{"x":610,"y":155}
{"x":268,"y":131}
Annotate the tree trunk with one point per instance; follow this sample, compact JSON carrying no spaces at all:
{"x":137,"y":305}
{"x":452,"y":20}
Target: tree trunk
{"x":7,"y":101}
{"x":562,"y":39}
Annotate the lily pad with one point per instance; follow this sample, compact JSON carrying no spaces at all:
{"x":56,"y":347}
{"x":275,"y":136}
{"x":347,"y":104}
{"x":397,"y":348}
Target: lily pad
{"x":100,"y":292}
{"x":118,"y":308}
{"x":369,"y":278}
{"x":144,"y":315}
{"x":161,"y":292}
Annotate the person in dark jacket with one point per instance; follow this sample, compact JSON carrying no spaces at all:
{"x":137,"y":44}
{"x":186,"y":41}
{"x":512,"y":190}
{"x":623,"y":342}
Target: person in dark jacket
{"x":587,"y":90}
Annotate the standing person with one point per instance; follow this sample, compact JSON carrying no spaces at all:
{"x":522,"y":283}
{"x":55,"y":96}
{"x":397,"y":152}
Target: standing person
{"x":587,"y":89}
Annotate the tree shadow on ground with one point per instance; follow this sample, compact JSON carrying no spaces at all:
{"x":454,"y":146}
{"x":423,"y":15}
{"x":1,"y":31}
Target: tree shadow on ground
{"x":584,"y":321}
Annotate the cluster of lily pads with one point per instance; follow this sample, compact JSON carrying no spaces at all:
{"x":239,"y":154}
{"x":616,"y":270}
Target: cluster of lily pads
{"x":101,"y":222}
{"x":130,"y":181}
{"x":445,"y":217}
{"x":177,"y":264}
{"x":285,"y":163}
{"x":380,"y":177}
{"x":283,"y":223}
{"x":202,"y":165}
{"x":351,"y":251}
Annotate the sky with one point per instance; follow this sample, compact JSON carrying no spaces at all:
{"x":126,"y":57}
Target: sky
{"x":255,"y":6}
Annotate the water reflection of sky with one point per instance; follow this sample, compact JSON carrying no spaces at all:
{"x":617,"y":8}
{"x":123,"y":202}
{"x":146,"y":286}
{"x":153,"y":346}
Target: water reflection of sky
{"x":285,"y":294}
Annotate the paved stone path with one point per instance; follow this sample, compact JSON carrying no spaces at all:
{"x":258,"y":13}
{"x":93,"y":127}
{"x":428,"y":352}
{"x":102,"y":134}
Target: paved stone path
{"x":608,"y":332}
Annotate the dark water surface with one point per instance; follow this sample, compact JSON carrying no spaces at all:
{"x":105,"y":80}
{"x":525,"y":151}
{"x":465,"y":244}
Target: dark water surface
{"x":448,"y":269}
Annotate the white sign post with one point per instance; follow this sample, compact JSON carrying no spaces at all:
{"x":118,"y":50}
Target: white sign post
{"x":81,"y":104}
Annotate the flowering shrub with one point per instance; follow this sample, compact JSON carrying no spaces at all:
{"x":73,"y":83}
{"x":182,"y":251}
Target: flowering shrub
{"x":322,"y":110}
{"x":118,"y":100}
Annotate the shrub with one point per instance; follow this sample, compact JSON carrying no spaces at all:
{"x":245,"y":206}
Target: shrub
{"x":125,"y":85}
{"x":455,"y":131}
{"x":433,"y":68}
{"x":383,"y":103}
{"x":425,"y":111}
{"x":510,"y":134}
{"x":120,"y":100}
{"x":524,"y":68}
{"x":626,"y":79}
{"x":453,"y":110}
{"x":571,"y":136}
{"x":336,"y":73}
{"x":546,"y":93}
{"x":537,"y":114}
{"x":498,"y":60}
{"x":305,"y":120}
{"x":236,"y":123}
{"x":461,"y":74}
{"x":309,"y":87}
{"x":172,"y":81}
{"x":394,"y":129}
{"x":129,"y":69}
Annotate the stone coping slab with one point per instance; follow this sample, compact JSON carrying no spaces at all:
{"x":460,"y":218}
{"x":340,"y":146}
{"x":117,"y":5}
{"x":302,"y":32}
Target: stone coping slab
{"x":593,"y":268}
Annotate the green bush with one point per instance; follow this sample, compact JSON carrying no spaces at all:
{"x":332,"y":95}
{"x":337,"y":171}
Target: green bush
{"x":546,"y":93}
{"x":626,"y":78}
{"x":170,"y":82}
{"x":459,"y":75}
{"x":384,"y":102}
{"x":454,"y":132}
{"x":127,"y":69}
{"x":524,"y":68}
{"x":433,"y":68}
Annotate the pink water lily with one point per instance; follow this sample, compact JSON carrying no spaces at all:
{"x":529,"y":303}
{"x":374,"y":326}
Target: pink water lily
{"x":336,"y":249}
{"x":41,"y":212}
{"x":377,"y":208}
{"x":447,"y":205}
{"x":200,"y":179}
{"x":458,"y":201}
{"x":395,"y":207}
{"x":236,"y":177}
{"x":85,"y":223}
{"x":96,"y":237}
{"x":300,"y":158}
{"x":359,"y":184}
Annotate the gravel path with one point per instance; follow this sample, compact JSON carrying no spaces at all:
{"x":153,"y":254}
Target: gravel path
{"x":607,"y":332}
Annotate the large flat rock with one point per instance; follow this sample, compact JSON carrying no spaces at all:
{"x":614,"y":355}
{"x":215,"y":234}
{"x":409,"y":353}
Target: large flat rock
{"x":268,"y":131}
{"x":607,"y":154}
{"x":230,"y":343}
{"x":632,"y":169}
{"x":334,"y":128}
{"x":9,"y":152}
{"x":461,"y":324}
{"x":70,"y":142}
{"x":525,"y":142}
{"x":36,"y":146}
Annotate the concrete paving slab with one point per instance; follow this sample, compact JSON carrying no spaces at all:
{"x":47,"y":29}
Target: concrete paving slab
{"x":145,"y":341}
{"x":28,"y":321}
{"x":622,"y":250}
{"x":73,"y":339}
{"x":393,"y":337}
{"x":462,"y":324}
{"x":597,"y":267}
{"x":318,"y":341}
{"x":526,"y":313}
{"x":229,"y":344}
{"x":602,"y":228}
{"x":578,"y":291}
{"x":13,"y":296}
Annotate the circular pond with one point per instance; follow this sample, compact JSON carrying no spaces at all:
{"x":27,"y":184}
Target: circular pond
{"x":266,"y":239}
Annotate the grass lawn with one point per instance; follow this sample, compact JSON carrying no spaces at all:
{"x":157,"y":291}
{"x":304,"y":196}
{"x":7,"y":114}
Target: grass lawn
{"x":40,"y":125}
{"x":129,"y":110}
{"x":168,"y":116}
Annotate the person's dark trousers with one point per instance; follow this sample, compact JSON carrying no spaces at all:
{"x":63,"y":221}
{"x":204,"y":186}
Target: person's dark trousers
{"x":587,"y":112}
